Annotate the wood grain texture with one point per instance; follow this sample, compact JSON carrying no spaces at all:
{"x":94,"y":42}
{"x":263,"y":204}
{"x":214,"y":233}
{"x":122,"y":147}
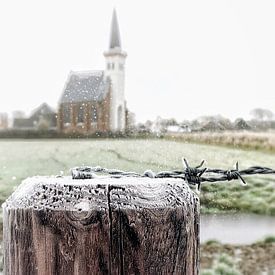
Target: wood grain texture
{"x":101,"y":226}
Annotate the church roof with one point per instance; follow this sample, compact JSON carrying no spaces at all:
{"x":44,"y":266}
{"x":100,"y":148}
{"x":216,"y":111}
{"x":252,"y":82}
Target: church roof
{"x":85,"y":86}
{"x":115,"y":35}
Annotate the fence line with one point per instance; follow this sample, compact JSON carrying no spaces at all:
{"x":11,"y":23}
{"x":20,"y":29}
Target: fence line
{"x":192,"y":175}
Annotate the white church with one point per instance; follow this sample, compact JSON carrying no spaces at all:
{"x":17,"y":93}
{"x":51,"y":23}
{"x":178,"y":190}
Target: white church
{"x":94,"y":101}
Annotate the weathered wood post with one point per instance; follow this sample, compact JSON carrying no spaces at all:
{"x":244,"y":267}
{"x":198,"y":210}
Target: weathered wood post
{"x":101,"y":226}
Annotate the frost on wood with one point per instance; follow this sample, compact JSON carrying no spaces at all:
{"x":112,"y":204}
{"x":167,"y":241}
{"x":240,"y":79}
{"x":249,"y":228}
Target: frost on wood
{"x":63,"y":193}
{"x":101,"y":226}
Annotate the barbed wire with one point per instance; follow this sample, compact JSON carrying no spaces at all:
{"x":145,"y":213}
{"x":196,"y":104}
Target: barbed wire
{"x":192,"y":175}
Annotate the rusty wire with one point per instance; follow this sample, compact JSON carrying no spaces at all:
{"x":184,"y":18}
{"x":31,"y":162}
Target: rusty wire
{"x":192,"y":175}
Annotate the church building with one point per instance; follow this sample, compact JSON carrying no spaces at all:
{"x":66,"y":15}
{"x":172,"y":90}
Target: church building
{"x":94,"y":101}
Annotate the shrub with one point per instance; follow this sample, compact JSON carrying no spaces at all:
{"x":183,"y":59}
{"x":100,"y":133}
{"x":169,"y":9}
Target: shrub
{"x":212,"y":242}
{"x":269,"y":239}
{"x":223,"y":265}
{"x":225,"y":259}
{"x":224,"y":269}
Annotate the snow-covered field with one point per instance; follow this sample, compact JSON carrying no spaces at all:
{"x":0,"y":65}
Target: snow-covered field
{"x":22,"y":158}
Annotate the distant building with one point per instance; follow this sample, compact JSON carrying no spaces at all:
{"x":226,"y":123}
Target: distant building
{"x":42,"y":118}
{"x":93,"y":101}
{"x":3,"y":120}
{"x":18,"y":114}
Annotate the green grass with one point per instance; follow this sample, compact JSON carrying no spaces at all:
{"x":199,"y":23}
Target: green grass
{"x":23,"y":158}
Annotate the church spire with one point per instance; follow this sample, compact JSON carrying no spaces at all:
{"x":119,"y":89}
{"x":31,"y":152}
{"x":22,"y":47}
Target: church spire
{"x":115,"y":72}
{"x":115,"y":35}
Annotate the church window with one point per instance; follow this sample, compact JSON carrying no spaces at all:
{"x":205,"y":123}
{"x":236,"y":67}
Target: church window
{"x":66,"y":113}
{"x":113,"y":66}
{"x":80,"y":114}
{"x":94,"y":114}
{"x":121,"y":66}
{"x":109,"y":66}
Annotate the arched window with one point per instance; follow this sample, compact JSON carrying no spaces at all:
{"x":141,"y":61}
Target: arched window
{"x":66,"y":113}
{"x":94,"y":115}
{"x":81,"y":113}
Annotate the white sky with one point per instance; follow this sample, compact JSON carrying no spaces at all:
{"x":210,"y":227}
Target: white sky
{"x":185,"y":58}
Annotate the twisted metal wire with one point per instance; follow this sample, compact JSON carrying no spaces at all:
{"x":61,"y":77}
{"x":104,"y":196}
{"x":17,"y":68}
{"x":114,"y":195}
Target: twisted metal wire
{"x":192,"y":175}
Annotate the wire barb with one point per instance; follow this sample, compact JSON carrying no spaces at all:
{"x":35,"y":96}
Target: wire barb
{"x":234,"y":174}
{"x":193,"y":174}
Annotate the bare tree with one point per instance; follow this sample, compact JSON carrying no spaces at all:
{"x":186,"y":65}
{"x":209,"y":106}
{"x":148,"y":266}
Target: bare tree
{"x":261,"y":114}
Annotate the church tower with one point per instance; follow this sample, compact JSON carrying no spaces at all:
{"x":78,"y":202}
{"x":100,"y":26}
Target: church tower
{"x":115,"y":70}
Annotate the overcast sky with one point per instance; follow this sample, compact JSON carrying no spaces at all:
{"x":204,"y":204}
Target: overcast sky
{"x":185,"y":58}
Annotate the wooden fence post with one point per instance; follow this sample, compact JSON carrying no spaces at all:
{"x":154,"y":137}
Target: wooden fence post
{"x":101,"y":226}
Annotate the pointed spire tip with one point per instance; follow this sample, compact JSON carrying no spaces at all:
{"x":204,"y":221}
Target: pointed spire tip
{"x":115,"y":41}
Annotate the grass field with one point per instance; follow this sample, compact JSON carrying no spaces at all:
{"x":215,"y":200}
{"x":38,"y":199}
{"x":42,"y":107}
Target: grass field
{"x":264,"y":141}
{"x":23,"y":158}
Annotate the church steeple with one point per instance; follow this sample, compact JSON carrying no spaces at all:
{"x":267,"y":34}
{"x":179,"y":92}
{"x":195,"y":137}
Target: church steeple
{"x":115,"y":35}
{"x":115,"y":71}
